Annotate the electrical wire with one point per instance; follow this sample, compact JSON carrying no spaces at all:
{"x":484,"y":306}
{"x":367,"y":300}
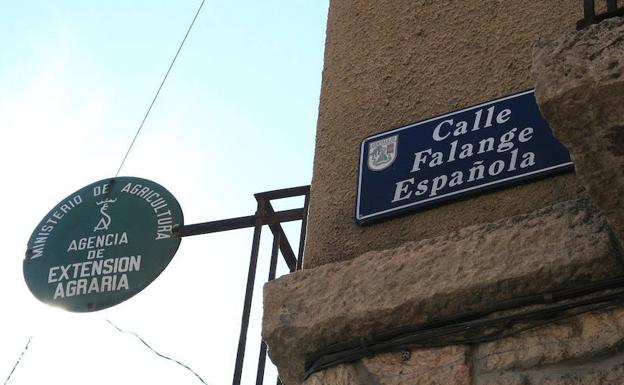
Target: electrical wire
{"x":156,"y":352}
{"x":19,"y":359}
{"x":478,"y":327}
{"x":160,"y":88}
{"x":162,"y":83}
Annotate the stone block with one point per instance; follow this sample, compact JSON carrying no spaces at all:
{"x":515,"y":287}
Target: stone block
{"x":441,"y":366}
{"x":608,"y":371}
{"x":577,"y":339}
{"x":611,"y":375}
{"x":465,"y":270}
{"x":346,"y":374}
{"x":580,"y":87}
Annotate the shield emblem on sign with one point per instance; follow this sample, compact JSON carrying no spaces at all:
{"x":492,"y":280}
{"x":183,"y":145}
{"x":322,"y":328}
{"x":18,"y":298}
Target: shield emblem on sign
{"x":382,"y":153}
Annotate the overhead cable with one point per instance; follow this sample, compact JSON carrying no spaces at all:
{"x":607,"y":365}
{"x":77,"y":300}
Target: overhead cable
{"x":501,"y":320}
{"x":160,"y":87}
{"x":19,"y":359}
{"x":156,"y":352}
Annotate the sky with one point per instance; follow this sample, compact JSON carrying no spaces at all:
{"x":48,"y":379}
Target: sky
{"x":237,"y":116}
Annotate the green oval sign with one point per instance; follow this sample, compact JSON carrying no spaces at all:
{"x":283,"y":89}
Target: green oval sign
{"x":102,"y":244}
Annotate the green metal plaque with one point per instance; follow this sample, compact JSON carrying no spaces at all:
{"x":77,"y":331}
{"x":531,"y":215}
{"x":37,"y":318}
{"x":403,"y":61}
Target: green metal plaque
{"x":102,"y":244}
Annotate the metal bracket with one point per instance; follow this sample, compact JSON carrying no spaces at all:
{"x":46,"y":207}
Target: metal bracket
{"x":265,"y":215}
{"x":590,"y":17}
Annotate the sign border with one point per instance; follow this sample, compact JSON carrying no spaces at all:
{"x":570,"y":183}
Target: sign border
{"x":107,"y":302}
{"x":490,"y":186}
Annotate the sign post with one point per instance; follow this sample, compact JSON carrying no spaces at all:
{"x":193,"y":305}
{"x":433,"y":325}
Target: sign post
{"x":102,"y":244}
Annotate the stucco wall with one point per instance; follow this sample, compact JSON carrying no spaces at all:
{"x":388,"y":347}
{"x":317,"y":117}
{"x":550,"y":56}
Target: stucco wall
{"x":393,"y":62}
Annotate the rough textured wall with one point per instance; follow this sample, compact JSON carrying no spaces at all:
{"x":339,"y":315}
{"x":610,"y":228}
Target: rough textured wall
{"x":393,"y":62}
{"x":580,"y":88}
{"x":585,"y":350}
{"x":468,"y":269}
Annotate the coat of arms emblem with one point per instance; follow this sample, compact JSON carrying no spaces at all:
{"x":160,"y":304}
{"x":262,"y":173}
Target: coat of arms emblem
{"x":382,"y":153}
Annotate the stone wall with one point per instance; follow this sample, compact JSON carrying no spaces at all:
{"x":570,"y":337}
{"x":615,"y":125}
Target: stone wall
{"x":586,"y":350}
{"x":393,"y":62}
{"x":580,"y":89}
{"x":559,"y":232}
{"x":466,"y":270}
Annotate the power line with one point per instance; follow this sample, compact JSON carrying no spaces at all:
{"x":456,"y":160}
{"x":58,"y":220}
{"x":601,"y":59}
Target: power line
{"x":160,"y":87}
{"x":156,"y":352}
{"x":19,"y":359}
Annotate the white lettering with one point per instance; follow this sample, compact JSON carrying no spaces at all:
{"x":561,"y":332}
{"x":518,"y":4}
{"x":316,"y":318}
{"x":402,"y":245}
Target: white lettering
{"x":420,"y":159}
{"x":436,"y":131}
{"x":401,"y":191}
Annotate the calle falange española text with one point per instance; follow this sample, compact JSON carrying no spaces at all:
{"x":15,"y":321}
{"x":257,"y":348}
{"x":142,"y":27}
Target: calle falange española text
{"x":493,"y":144}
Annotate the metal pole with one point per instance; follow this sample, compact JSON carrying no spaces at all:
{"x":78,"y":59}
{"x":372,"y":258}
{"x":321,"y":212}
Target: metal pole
{"x":277,"y":240}
{"x":302,"y":235}
{"x":251,"y":276}
{"x":263,"y":346}
{"x":289,"y":256}
{"x":588,"y":9}
{"x":270,"y":218}
{"x":611,"y":5}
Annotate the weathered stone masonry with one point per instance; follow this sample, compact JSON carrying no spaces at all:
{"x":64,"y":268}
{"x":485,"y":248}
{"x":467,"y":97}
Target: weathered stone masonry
{"x":382,"y":58}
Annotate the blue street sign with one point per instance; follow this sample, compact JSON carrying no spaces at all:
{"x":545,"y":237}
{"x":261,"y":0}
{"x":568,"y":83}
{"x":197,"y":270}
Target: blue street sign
{"x":499,"y":143}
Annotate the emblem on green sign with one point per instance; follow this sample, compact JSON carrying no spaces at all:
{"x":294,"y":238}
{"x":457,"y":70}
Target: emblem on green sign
{"x":103,"y":244}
